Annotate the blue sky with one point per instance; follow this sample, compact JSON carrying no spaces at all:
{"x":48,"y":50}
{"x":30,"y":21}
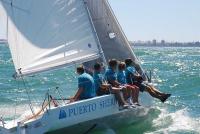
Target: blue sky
{"x":171,"y":20}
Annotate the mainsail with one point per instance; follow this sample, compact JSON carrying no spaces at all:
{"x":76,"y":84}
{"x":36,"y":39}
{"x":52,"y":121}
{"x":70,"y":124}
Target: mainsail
{"x":112,"y":38}
{"x":46,"y":34}
{"x":3,"y":19}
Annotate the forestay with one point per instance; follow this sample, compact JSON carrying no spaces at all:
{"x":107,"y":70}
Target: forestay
{"x":46,"y":34}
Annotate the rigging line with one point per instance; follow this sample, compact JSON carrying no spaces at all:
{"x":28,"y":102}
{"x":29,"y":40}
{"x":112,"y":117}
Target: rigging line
{"x":100,"y":18}
{"x":16,"y":7}
{"x":59,"y":93}
{"x":16,"y":48}
{"x":97,"y":38}
{"x":46,"y":95}
{"x":29,"y":98}
{"x":54,"y":100}
{"x":16,"y":102}
{"x":40,"y":79}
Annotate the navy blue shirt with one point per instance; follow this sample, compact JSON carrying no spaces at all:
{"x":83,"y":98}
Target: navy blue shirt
{"x":129,"y":72}
{"x":121,"y":77}
{"x":86,"y":82}
{"x":110,"y":75}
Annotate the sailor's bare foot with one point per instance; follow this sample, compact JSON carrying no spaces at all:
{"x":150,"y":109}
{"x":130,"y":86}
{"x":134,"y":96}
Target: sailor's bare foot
{"x":165,"y":97}
{"x":137,"y":104}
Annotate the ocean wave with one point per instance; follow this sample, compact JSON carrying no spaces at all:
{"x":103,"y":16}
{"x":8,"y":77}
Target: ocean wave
{"x":176,"y":122}
{"x":5,"y":100}
{"x":5,"y":62}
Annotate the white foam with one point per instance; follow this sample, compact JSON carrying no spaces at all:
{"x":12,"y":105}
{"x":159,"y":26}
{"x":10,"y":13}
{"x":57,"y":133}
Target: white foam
{"x":174,"y":85}
{"x":14,"y":112}
{"x":175,"y":122}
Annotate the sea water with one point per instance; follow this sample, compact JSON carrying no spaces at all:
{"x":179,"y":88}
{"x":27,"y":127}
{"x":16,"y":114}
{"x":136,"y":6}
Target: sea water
{"x":174,"y":70}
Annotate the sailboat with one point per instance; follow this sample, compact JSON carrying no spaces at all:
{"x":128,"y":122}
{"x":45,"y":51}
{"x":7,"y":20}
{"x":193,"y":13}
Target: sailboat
{"x":51,"y":34}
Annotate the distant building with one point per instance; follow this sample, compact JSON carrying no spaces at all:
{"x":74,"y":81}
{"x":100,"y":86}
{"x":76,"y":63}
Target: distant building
{"x":154,"y":42}
{"x":3,"y":41}
{"x":148,"y":42}
{"x":162,"y":42}
{"x":197,"y":43}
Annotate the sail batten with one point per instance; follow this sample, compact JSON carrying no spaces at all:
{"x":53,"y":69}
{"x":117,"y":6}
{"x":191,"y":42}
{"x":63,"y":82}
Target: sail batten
{"x":49,"y":34}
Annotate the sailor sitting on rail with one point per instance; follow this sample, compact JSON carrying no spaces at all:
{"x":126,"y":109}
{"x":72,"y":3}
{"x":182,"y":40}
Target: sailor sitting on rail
{"x":132,"y":77}
{"x":86,"y":87}
{"x":101,"y":86}
{"x":111,"y":77}
{"x":132,"y":91}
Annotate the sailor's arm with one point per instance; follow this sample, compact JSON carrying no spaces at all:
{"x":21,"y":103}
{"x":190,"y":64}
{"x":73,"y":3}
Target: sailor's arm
{"x":115,"y":83}
{"x":105,"y":86}
{"x":77,"y":95}
{"x":136,"y":75}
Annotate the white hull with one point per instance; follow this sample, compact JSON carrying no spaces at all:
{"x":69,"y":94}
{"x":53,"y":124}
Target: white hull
{"x":98,"y":112}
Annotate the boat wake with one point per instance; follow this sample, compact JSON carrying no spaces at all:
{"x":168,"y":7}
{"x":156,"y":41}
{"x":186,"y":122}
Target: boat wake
{"x":18,"y":112}
{"x":177,"y":122}
{"x":160,"y":121}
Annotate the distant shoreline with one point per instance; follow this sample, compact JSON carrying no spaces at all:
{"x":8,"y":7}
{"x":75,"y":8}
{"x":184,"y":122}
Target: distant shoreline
{"x":161,"y":46}
{"x":163,"y":43}
{"x":3,"y":41}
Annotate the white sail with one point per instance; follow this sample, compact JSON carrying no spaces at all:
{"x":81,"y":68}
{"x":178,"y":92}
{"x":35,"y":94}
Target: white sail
{"x":3,"y":19}
{"x":112,"y":38}
{"x":45,"y":34}
{"x":114,"y":42}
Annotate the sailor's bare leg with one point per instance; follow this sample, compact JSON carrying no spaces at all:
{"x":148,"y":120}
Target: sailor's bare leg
{"x":119,"y":97}
{"x":134,"y":92}
{"x":153,"y":93}
{"x":156,"y":94}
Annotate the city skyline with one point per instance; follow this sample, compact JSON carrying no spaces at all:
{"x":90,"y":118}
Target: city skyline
{"x":147,"y":20}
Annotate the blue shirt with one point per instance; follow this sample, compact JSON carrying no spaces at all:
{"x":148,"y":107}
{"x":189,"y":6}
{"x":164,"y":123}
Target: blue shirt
{"x":110,"y":75}
{"x":86,"y":82}
{"x":98,"y":80}
{"x":121,"y":77}
{"x":129,"y":73}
